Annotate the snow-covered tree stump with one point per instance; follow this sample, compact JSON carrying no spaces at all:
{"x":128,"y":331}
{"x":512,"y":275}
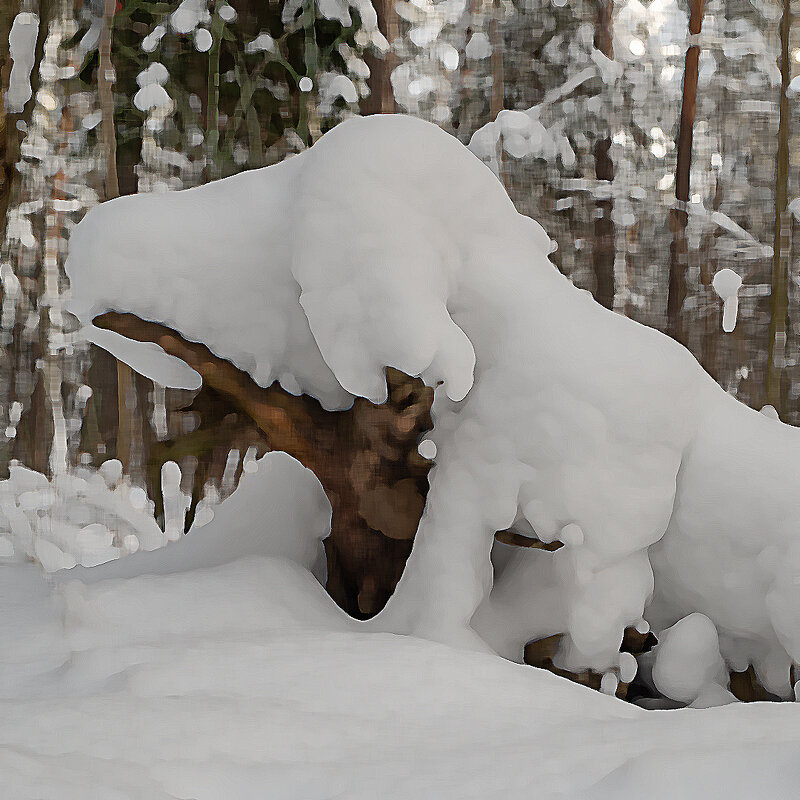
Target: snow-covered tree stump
{"x":388,"y":244}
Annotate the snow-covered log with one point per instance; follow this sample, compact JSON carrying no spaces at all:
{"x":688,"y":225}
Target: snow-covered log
{"x":389,"y":244}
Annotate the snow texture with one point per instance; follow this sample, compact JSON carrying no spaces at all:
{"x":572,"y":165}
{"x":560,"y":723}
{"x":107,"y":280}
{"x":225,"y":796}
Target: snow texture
{"x":726,"y":284}
{"x":521,"y":135}
{"x":688,"y":665}
{"x":276,"y":488}
{"x":21,"y":43}
{"x":389,"y":244}
{"x":147,"y":358}
{"x":81,"y":517}
{"x":242,"y":679}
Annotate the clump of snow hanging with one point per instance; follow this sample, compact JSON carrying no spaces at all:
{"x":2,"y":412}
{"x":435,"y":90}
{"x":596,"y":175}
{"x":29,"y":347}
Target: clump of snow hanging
{"x":188,"y":15}
{"x":726,"y":284}
{"x":146,"y":358}
{"x":21,"y":47}
{"x":262,"y":43}
{"x":390,"y":244}
{"x":152,"y":93}
{"x":770,"y":411}
{"x":688,"y":665}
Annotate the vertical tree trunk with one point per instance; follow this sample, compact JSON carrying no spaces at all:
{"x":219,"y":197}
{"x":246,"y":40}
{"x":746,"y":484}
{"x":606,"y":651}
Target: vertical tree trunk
{"x":35,"y":429}
{"x":105,"y":73}
{"x":711,"y":326}
{"x":778,"y":325}
{"x":497,"y":100}
{"x":679,"y":217}
{"x":603,"y":254}
{"x":381,"y":97}
{"x":130,"y":431}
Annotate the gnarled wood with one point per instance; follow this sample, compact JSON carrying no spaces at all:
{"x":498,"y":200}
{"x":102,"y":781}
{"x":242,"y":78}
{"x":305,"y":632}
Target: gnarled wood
{"x":363,"y":457}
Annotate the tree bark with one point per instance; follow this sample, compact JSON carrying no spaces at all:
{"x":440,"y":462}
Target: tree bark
{"x":10,"y":135}
{"x":105,"y":72}
{"x":604,"y":254}
{"x":779,"y":302}
{"x":381,"y":97}
{"x":497,"y":100}
{"x":8,"y":131}
{"x":679,"y":217}
{"x":365,"y":458}
{"x":130,"y":434}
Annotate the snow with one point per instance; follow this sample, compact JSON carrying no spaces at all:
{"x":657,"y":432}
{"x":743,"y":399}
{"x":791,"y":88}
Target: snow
{"x":392,"y":245}
{"x":151,"y":96}
{"x":227,"y":671}
{"x":209,"y":678}
{"x":146,"y":358}
{"x":153,"y":39}
{"x":276,"y":489}
{"x":188,"y":15}
{"x":522,"y":135}
{"x":22,"y":44}
{"x":203,"y":40}
{"x":688,"y":664}
{"x":478,"y":47}
{"x":78,"y":517}
{"x":427,"y":449}
{"x":156,"y":72}
{"x":227,"y":13}
{"x":726,"y":284}
{"x":263,"y":42}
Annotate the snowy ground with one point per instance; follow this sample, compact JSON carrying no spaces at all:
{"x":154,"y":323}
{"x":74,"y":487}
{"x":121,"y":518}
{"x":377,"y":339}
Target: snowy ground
{"x":242,"y":680}
{"x":232,"y":689}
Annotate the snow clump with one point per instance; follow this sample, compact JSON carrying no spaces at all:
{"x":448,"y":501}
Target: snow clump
{"x":390,"y":244}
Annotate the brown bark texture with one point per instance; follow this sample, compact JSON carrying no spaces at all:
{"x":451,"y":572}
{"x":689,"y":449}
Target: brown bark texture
{"x":365,"y":458}
{"x":679,"y":217}
{"x":779,"y":302}
{"x":603,"y":254}
{"x":381,"y":97}
{"x":131,"y":425}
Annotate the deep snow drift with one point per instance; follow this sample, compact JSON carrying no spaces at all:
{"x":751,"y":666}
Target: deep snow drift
{"x":388,"y":243}
{"x":241,"y":679}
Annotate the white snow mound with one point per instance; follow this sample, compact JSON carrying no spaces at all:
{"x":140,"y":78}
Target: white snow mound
{"x":389,"y":243}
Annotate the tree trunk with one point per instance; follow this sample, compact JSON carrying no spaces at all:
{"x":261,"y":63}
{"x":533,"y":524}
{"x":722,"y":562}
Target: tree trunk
{"x":381,"y":97}
{"x":779,"y":304}
{"x":10,"y":135}
{"x":497,"y":100}
{"x":679,"y":217}
{"x":365,"y":458}
{"x":604,"y":254}
{"x":130,"y":434}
